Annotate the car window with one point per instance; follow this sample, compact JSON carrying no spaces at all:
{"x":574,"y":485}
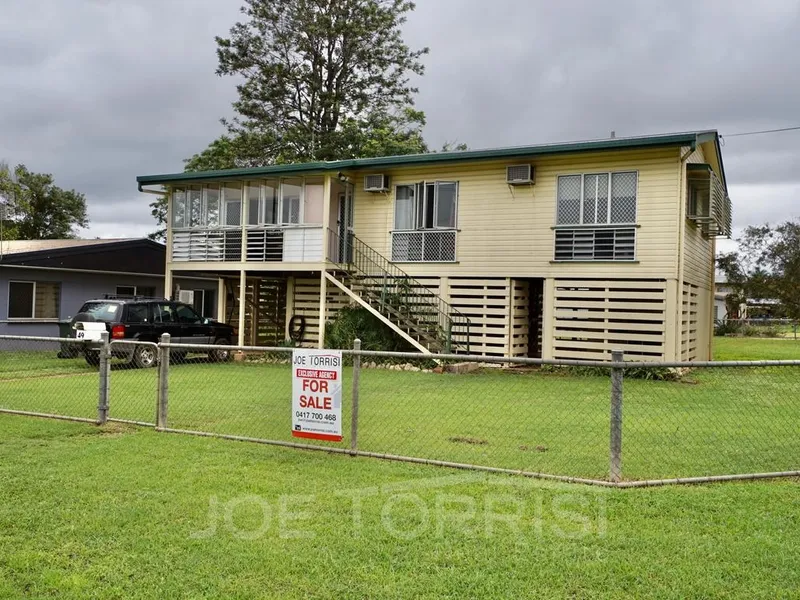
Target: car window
{"x":186,"y":314}
{"x":102,"y":311}
{"x":164,"y":313}
{"x":138,"y":313}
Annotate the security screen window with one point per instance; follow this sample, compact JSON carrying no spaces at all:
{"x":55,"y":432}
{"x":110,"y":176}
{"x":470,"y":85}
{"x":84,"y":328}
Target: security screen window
{"x":33,"y":299}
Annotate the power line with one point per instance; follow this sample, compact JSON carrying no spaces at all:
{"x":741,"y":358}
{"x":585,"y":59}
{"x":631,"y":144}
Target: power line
{"x":795,"y":128}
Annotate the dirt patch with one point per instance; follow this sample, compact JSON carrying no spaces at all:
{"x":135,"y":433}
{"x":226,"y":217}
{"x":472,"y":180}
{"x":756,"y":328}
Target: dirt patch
{"x":35,"y":375}
{"x":112,"y":429}
{"x":539,"y":448}
{"x":468,"y":440}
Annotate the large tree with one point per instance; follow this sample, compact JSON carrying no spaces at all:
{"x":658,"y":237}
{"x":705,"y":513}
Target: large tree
{"x":320,"y":80}
{"x":36,"y":209}
{"x":766,"y":266}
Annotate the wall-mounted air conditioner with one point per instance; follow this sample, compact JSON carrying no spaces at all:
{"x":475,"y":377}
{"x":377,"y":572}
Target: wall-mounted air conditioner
{"x":376,"y":182}
{"x":519,"y":174}
{"x":186,"y":296}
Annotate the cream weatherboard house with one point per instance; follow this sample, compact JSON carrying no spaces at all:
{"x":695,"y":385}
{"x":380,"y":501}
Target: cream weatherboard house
{"x":562,"y":250}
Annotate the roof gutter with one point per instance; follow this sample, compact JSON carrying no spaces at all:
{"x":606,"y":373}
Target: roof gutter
{"x":427,"y":159}
{"x":144,"y":191}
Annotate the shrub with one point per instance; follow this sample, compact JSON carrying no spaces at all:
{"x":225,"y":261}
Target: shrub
{"x":647,"y":373}
{"x":728,"y":328}
{"x":744,"y":329}
{"x":353,"y":322}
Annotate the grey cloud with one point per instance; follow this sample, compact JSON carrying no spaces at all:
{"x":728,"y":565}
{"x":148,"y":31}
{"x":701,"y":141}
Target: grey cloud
{"x":98,"y":91}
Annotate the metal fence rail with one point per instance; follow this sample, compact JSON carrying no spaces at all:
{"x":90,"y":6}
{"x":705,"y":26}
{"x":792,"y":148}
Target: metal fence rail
{"x":618,"y":424}
{"x":765,"y":328}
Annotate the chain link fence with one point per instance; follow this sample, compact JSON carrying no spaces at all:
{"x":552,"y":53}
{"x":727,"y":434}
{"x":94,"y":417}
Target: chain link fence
{"x":47,"y":376}
{"x":761,"y":328}
{"x":619,"y":423}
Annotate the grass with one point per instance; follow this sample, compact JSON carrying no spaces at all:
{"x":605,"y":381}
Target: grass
{"x":734,"y":348}
{"x":89,"y":512}
{"x":115,"y":511}
{"x":714,"y":422}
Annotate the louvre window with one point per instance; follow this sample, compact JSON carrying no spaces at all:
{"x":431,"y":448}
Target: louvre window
{"x":594,"y":216}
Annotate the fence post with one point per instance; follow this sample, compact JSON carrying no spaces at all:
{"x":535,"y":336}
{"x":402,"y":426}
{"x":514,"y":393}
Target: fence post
{"x":163,"y":382}
{"x":104,"y":369}
{"x":616,"y":417}
{"x":356,"y":383}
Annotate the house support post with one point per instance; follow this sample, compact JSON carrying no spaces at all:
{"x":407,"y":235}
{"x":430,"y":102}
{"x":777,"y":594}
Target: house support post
{"x":168,"y":283}
{"x":242,"y":306}
{"x":548,"y":317}
{"x":510,"y":321}
{"x":221,"y":298}
{"x":289,"y":305}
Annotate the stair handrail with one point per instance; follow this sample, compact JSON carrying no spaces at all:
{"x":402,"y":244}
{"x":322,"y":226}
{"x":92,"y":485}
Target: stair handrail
{"x":452,"y":316}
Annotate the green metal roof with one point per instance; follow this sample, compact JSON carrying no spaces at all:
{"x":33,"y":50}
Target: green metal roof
{"x":691,"y":138}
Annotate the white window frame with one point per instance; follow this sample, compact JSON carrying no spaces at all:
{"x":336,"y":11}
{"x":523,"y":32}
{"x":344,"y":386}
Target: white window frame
{"x":219,"y":205}
{"x":33,"y":301}
{"x":422,"y":185}
{"x":608,"y":221}
{"x":244,"y":198}
{"x":117,"y":292}
{"x":301,"y":200}
{"x":33,"y":316}
{"x":173,"y":207}
{"x":188,"y":206}
{"x":246,"y":186}
{"x":223,"y":210}
{"x":204,"y":295}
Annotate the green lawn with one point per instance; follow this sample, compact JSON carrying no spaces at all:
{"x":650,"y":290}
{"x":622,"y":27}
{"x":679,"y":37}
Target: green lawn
{"x":111,"y":513}
{"x":715,"y":422}
{"x":733,"y":348}
{"x":123,"y":512}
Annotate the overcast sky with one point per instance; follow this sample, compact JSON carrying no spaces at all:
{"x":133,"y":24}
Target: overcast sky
{"x":99,"y":91}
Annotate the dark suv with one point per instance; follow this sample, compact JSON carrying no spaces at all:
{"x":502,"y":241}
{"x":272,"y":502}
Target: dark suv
{"x":145,"y":319}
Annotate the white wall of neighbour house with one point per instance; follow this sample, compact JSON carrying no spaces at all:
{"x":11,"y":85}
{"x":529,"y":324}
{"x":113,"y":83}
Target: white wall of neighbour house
{"x":73,"y":289}
{"x":505,"y":236}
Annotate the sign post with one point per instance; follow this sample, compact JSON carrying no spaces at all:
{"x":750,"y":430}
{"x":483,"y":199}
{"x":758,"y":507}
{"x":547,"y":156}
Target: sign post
{"x":317,"y":394}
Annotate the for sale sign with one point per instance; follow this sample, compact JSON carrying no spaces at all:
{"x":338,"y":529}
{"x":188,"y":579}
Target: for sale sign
{"x":317,"y":394}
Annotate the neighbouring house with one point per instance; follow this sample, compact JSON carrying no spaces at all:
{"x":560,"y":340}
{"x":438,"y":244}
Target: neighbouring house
{"x":721,"y":291}
{"x":752,"y":308}
{"x":43,"y":282}
{"x":565,"y":250}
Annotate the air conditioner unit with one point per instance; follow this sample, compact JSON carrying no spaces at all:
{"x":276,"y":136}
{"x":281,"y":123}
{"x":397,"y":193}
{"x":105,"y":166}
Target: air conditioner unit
{"x":376,"y":182}
{"x":186,"y":296}
{"x":519,"y":174}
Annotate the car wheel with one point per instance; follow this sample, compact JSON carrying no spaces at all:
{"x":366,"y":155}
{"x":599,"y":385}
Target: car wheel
{"x":221,"y":355}
{"x":145,"y":356}
{"x":92,"y":358}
